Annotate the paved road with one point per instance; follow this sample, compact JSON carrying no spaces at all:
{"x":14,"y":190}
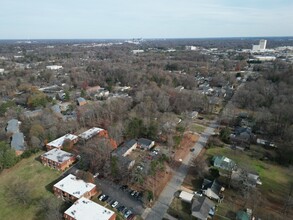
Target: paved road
{"x":111,"y":189}
{"x":161,"y":206}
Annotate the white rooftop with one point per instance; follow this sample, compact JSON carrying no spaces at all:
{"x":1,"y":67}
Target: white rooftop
{"x":57,"y":155}
{"x":73,"y":186}
{"x":59,"y":142}
{"x":90,"y":133}
{"x":226,"y":159}
{"x":186,"y":196}
{"x":89,"y":210}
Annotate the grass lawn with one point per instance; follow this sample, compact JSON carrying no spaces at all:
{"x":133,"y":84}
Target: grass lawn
{"x":197,"y":128}
{"x":35,"y":175}
{"x":180,"y":209}
{"x":275,"y":179}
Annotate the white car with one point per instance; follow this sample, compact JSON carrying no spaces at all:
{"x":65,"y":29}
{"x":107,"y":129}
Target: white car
{"x":114,"y":204}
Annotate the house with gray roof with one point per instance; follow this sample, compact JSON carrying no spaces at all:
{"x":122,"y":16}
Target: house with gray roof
{"x":145,"y":144}
{"x":212,"y":189}
{"x":13,"y":126}
{"x":224,"y":163}
{"x":202,"y":208}
{"x":17,"y":143}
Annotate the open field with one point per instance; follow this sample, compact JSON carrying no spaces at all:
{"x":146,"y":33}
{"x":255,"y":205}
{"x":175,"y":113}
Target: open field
{"x":274,"y":190}
{"x":36,"y":176}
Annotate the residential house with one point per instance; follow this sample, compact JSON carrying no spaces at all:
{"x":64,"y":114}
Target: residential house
{"x":17,"y":143}
{"x":71,"y":189}
{"x":224,"y":163}
{"x":145,"y":144}
{"x":58,"y":143}
{"x":81,"y":101}
{"x":58,"y":159}
{"x":13,"y":126}
{"x":85,"y":209}
{"x":17,"y":138}
{"x":242,"y":135}
{"x":202,"y":208}
{"x":212,"y":189}
{"x":265,"y":143}
{"x":125,"y":149}
{"x":186,"y":196}
{"x":54,"y":67}
{"x":122,"y":152}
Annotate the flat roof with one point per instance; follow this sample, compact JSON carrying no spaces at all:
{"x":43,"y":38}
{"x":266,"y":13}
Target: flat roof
{"x":58,"y":142}
{"x":89,"y":210}
{"x":57,"y":155}
{"x":73,"y":186}
{"x":186,"y":196}
{"x":90,"y":133}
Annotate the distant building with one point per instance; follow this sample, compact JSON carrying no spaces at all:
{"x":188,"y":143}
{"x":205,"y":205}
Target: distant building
{"x":85,"y":209}
{"x":260,"y":47}
{"x":262,"y":44}
{"x":137,"y":51}
{"x":54,"y":67}
{"x":71,"y":189}
{"x":1,"y":71}
{"x":57,"y":159}
{"x":58,"y":143}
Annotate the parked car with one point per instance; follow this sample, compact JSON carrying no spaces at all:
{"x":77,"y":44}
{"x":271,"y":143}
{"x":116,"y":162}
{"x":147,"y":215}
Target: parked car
{"x":124,"y":187}
{"x":132,"y":193}
{"x":121,"y":208}
{"x":114,"y":204}
{"x":101,"y":197}
{"x":127,"y":213}
{"x":192,"y":149}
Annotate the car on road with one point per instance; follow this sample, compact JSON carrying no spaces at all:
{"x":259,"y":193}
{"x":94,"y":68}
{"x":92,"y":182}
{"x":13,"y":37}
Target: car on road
{"x":114,"y":204}
{"x":192,"y":149}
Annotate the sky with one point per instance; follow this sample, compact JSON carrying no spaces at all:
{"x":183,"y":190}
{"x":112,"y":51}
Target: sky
{"x":121,"y":19}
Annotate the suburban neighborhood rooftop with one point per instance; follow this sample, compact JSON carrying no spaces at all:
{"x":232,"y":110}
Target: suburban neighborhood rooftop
{"x":58,"y":142}
{"x":89,"y":210}
{"x":90,"y":133}
{"x":57,"y":155}
{"x":74,"y":186}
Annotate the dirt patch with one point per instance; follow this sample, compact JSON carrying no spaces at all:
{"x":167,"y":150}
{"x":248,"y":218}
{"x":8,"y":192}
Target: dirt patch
{"x":187,"y":142}
{"x":157,"y":183}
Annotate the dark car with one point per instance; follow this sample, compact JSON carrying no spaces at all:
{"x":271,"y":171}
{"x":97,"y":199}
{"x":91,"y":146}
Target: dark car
{"x":192,"y":149}
{"x":121,"y":208}
{"x":124,"y":187}
{"x":105,"y":198}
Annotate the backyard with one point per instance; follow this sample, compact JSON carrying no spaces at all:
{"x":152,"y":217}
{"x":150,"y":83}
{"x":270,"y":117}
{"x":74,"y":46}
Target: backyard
{"x":27,"y":173}
{"x":276,"y":182}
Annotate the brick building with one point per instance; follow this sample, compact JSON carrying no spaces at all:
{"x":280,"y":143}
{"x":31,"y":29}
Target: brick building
{"x":58,"y":159}
{"x":71,"y":189}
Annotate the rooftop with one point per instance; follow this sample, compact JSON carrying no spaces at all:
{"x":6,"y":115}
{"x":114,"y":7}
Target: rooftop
{"x":90,"y":133}
{"x":57,"y":155}
{"x":13,"y":126}
{"x":17,"y":142}
{"x":73,"y":186}
{"x":124,"y":147}
{"x":89,"y":210}
{"x":59,"y":142}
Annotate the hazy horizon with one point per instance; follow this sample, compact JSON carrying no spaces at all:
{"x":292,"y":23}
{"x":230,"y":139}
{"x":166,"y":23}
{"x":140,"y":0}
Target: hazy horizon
{"x":90,"y":19}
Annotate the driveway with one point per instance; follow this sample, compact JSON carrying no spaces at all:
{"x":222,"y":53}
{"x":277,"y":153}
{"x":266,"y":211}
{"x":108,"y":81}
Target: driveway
{"x":124,"y":198}
{"x":162,"y":204}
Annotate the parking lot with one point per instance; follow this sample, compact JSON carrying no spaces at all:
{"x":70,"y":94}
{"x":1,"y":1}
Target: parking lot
{"x":122,"y":196}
